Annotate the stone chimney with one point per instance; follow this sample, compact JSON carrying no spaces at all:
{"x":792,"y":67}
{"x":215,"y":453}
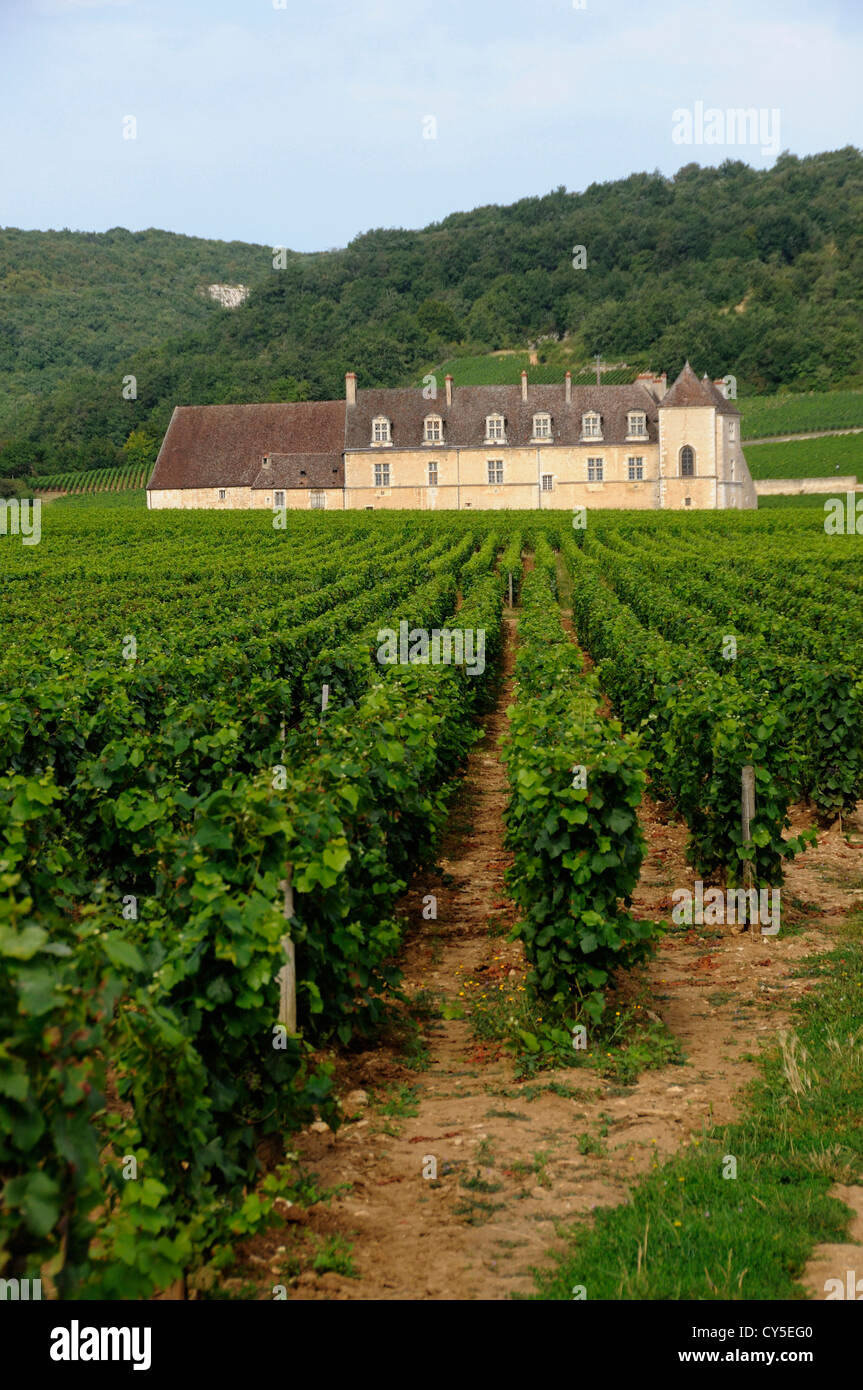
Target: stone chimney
{"x":448,"y":389}
{"x":569,"y":388}
{"x":524,"y":386}
{"x":654,"y":384}
{"x":722,"y":386}
{"x":351,"y":388}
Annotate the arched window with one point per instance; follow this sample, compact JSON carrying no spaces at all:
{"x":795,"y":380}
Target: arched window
{"x":687,"y":462}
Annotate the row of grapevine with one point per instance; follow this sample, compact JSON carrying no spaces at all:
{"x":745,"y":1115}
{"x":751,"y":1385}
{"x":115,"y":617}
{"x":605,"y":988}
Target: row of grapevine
{"x":700,"y":727}
{"x":194,"y":813}
{"x":578,"y":845}
{"x":799,"y":668}
{"x":118,"y":479}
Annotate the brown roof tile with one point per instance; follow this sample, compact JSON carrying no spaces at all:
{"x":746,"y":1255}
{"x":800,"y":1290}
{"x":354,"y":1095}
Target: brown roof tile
{"x":464,"y":420}
{"x":302,"y":470}
{"x":688,"y":390}
{"x":224,"y":445}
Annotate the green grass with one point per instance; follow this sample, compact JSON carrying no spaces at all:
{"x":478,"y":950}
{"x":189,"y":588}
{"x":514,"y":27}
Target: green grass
{"x":807,"y":458}
{"x":401,"y":1100}
{"x":491,"y":370}
{"x":794,"y":414}
{"x":689,"y":1233}
{"x":334,"y":1254}
{"x":805,"y":499}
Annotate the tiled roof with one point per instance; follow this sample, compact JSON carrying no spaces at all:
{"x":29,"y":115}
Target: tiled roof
{"x":224,"y":445}
{"x":464,"y":420}
{"x":688,"y":390}
{"x":723,"y":405}
{"x":302,"y":470}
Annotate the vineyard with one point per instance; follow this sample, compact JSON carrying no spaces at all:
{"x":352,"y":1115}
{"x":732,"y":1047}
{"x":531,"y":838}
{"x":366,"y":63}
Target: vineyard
{"x":832,"y":455}
{"x":797,"y":412}
{"x":123,"y":478}
{"x":211,"y":748}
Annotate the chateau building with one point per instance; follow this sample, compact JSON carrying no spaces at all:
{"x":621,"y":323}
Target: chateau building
{"x":473,"y":447}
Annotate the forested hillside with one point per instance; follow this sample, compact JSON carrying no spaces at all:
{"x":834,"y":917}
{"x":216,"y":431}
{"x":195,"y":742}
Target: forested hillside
{"x":73,"y":304}
{"x":758,"y":273}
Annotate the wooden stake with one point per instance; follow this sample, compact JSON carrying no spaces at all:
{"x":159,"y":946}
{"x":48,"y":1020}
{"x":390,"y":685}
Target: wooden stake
{"x":288,"y":973}
{"x":510,"y":588}
{"x":325,"y":697}
{"x":747,"y":815}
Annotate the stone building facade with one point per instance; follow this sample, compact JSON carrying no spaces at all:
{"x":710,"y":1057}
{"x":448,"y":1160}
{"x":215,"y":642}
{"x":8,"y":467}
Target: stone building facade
{"x":468,"y":448}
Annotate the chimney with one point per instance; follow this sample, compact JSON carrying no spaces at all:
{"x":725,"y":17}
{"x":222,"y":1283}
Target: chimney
{"x":569,"y":388}
{"x":654,"y":384}
{"x":524,"y":386}
{"x":448,"y":389}
{"x":722,"y":387}
{"x":351,"y":388}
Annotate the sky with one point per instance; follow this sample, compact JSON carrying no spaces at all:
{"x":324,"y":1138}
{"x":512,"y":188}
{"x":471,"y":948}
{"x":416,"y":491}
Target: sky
{"x":302,"y":123}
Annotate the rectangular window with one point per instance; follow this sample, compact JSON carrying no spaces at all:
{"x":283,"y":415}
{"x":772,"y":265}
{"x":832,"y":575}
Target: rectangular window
{"x":594,"y":470}
{"x":221,"y":494}
{"x":382,"y":475}
{"x":495,"y":470}
{"x":432,"y":475}
{"x":494,"y":427}
{"x":546,"y":482}
{"x":638,"y":425}
{"x":636,"y":468}
{"x":433,"y":430}
{"x":590,"y":427}
{"x":542,"y":427}
{"x":278,"y":499}
{"x":318,"y":501}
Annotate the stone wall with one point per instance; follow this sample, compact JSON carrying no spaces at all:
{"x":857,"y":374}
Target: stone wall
{"x":793,"y":487}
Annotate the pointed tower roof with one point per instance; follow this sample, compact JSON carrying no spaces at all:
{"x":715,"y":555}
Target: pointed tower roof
{"x":688,"y":390}
{"x":723,"y":404}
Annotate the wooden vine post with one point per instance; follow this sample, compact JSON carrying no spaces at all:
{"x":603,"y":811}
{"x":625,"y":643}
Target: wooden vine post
{"x":747,"y":815}
{"x":510,"y":588}
{"x":288,"y":973}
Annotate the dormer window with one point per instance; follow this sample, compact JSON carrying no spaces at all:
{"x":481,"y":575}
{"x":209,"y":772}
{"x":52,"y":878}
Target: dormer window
{"x":381,"y":430}
{"x":542,"y":426}
{"x":636,"y":425}
{"x":591,"y":425}
{"x":433,"y":430}
{"x":494,"y":429}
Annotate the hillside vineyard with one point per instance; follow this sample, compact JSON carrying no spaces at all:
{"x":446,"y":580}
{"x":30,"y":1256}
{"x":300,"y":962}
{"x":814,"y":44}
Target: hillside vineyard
{"x":473,"y":448}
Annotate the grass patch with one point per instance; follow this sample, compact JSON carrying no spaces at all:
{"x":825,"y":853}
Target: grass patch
{"x":400,"y":1100}
{"x":625,"y":1043}
{"x":475,"y":1211}
{"x":334,"y":1255}
{"x":480,"y":1184}
{"x":690,"y":1233}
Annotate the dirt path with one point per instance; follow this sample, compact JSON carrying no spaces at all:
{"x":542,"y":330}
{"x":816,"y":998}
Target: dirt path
{"x":809,"y":434}
{"x":513,"y":1159}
